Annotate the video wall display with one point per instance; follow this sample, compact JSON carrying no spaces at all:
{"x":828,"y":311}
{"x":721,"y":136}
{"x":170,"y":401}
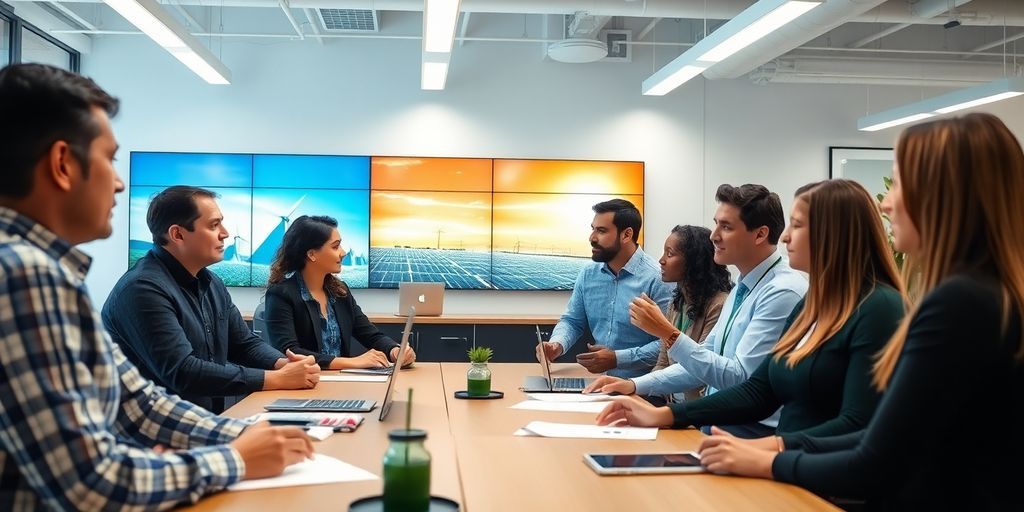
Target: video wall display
{"x":471,"y":223}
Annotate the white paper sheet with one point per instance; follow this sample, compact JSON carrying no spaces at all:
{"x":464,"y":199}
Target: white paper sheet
{"x":353,"y":378}
{"x":322,"y":469}
{"x":537,"y":405}
{"x":569,"y":397}
{"x":578,"y":431}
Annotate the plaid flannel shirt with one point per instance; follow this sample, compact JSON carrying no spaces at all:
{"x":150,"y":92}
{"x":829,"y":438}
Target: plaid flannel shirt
{"x":77,"y":420}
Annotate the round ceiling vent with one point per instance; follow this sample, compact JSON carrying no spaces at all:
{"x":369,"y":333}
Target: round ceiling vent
{"x":578,"y":51}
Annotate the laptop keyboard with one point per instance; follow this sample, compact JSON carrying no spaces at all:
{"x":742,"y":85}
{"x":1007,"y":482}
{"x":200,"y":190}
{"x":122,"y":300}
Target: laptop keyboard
{"x":568,"y":383}
{"x":336,"y":404}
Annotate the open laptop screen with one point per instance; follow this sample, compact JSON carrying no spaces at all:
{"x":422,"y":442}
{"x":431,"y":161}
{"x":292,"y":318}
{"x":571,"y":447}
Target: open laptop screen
{"x":390,"y":392}
{"x":545,"y":365}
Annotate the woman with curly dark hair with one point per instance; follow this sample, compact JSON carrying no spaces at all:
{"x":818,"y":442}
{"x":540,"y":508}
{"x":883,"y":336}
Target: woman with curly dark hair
{"x":701,"y":287}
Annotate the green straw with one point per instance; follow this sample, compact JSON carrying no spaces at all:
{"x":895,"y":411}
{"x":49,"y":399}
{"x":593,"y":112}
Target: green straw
{"x":408,"y":423}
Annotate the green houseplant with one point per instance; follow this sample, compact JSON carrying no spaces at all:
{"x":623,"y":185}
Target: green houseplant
{"x":478,"y":379}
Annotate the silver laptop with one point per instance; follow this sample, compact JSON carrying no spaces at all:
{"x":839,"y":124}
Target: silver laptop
{"x":427,"y":298}
{"x":546,"y":384}
{"x":389,"y":393}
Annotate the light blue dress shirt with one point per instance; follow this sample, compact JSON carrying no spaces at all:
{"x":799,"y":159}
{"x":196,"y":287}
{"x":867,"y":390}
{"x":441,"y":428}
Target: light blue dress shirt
{"x":756,"y":327}
{"x":600,"y":300}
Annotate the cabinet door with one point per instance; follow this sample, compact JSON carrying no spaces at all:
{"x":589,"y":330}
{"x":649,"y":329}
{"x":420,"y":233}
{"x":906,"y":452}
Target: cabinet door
{"x":393,"y":331}
{"x":443,"y":343}
{"x":518,"y":343}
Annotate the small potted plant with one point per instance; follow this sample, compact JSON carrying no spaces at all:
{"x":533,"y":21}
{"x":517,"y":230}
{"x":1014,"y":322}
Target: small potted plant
{"x":478,"y":380}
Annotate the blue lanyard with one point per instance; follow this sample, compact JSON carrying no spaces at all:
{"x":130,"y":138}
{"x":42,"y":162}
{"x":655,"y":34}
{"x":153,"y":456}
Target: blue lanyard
{"x":736,"y":308}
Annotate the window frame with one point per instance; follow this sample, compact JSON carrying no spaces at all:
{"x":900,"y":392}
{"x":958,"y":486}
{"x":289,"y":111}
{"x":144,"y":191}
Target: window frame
{"x":16,"y":26}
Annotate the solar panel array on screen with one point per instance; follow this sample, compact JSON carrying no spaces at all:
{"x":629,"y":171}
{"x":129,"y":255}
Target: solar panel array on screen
{"x":457,"y":269}
{"x":535,"y":271}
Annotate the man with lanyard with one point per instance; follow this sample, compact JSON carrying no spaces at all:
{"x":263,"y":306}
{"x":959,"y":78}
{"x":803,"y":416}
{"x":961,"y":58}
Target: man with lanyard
{"x":748,"y":224}
{"x":602,"y":293}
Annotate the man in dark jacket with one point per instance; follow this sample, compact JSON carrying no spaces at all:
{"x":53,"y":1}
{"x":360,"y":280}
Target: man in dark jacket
{"x":176,"y":321}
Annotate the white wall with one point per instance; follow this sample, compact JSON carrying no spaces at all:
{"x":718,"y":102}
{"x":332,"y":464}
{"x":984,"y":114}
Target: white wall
{"x":362,"y":97}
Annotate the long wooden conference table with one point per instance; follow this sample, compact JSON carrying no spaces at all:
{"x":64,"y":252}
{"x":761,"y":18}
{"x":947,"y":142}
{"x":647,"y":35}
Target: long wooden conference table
{"x":477,"y":462}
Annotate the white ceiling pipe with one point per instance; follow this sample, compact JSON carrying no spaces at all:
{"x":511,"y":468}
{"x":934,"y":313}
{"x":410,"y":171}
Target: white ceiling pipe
{"x":814,"y":23}
{"x":980,"y":12}
{"x":840,"y":70}
{"x":878,"y":35}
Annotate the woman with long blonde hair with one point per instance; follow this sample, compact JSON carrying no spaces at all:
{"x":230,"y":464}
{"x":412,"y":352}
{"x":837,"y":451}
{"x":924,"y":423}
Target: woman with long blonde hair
{"x":821,"y":370}
{"x":955,"y":365}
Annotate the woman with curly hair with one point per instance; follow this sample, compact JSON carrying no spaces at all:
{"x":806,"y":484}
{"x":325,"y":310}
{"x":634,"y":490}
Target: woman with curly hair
{"x":701,"y":288}
{"x":820,"y":371}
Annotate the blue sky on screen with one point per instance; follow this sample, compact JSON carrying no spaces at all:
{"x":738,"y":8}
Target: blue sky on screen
{"x":196,"y":169}
{"x":235,"y":204}
{"x":311,"y":171}
{"x":350,"y":207}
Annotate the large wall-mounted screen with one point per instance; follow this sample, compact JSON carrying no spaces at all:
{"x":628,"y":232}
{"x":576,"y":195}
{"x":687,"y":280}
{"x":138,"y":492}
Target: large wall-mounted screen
{"x":472,"y":223}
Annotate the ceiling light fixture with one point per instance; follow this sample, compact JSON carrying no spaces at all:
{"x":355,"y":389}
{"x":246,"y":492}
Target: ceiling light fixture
{"x":162,"y":28}
{"x":993,"y":91}
{"x":755,"y":22}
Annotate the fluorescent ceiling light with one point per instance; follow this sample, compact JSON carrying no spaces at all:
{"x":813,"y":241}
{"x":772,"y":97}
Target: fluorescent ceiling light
{"x":979,"y":101}
{"x":771,"y":22}
{"x":201,"y":67}
{"x":162,"y":28}
{"x":747,"y":27}
{"x":896,"y":122}
{"x":433,"y":76}
{"x":675,"y":80}
{"x":957,"y":100}
{"x":439,"y":20}
{"x":434,"y":70}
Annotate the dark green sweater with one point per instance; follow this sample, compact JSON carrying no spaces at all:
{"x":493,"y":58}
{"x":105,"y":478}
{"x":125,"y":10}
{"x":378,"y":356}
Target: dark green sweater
{"x":828,"y":392}
{"x":947,"y":434}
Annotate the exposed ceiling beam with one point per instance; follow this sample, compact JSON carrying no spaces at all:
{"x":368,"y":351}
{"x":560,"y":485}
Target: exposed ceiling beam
{"x":43,"y":19}
{"x":465,"y":26}
{"x":878,"y":35}
{"x":314,"y":25}
{"x":188,"y":17}
{"x":72,"y":15}
{"x":1000,"y":42}
{"x":921,"y":9}
{"x":286,"y":8}
{"x":982,"y":13}
{"x":648,"y":28}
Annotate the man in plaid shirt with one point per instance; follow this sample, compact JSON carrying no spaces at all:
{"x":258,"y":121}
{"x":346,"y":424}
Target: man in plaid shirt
{"x":80,"y":428}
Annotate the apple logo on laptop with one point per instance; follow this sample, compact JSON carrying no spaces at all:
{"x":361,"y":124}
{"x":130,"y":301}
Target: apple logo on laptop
{"x":422,"y":298}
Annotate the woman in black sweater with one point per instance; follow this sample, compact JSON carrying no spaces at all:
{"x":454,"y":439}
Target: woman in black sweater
{"x":311,"y":312}
{"x":947,"y":431}
{"x":820,"y":373}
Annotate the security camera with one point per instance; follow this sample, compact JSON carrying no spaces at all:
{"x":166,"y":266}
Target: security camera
{"x":951,"y":24}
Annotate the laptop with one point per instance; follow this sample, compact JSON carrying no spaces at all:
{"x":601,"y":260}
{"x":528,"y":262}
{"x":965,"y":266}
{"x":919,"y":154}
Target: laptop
{"x":345,"y":405}
{"x":389,"y":393}
{"x":547,"y":384}
{"x":427,"y":298}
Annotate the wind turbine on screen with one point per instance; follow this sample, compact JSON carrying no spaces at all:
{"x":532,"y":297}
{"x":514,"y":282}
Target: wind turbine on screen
{"x":264,"y":254}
